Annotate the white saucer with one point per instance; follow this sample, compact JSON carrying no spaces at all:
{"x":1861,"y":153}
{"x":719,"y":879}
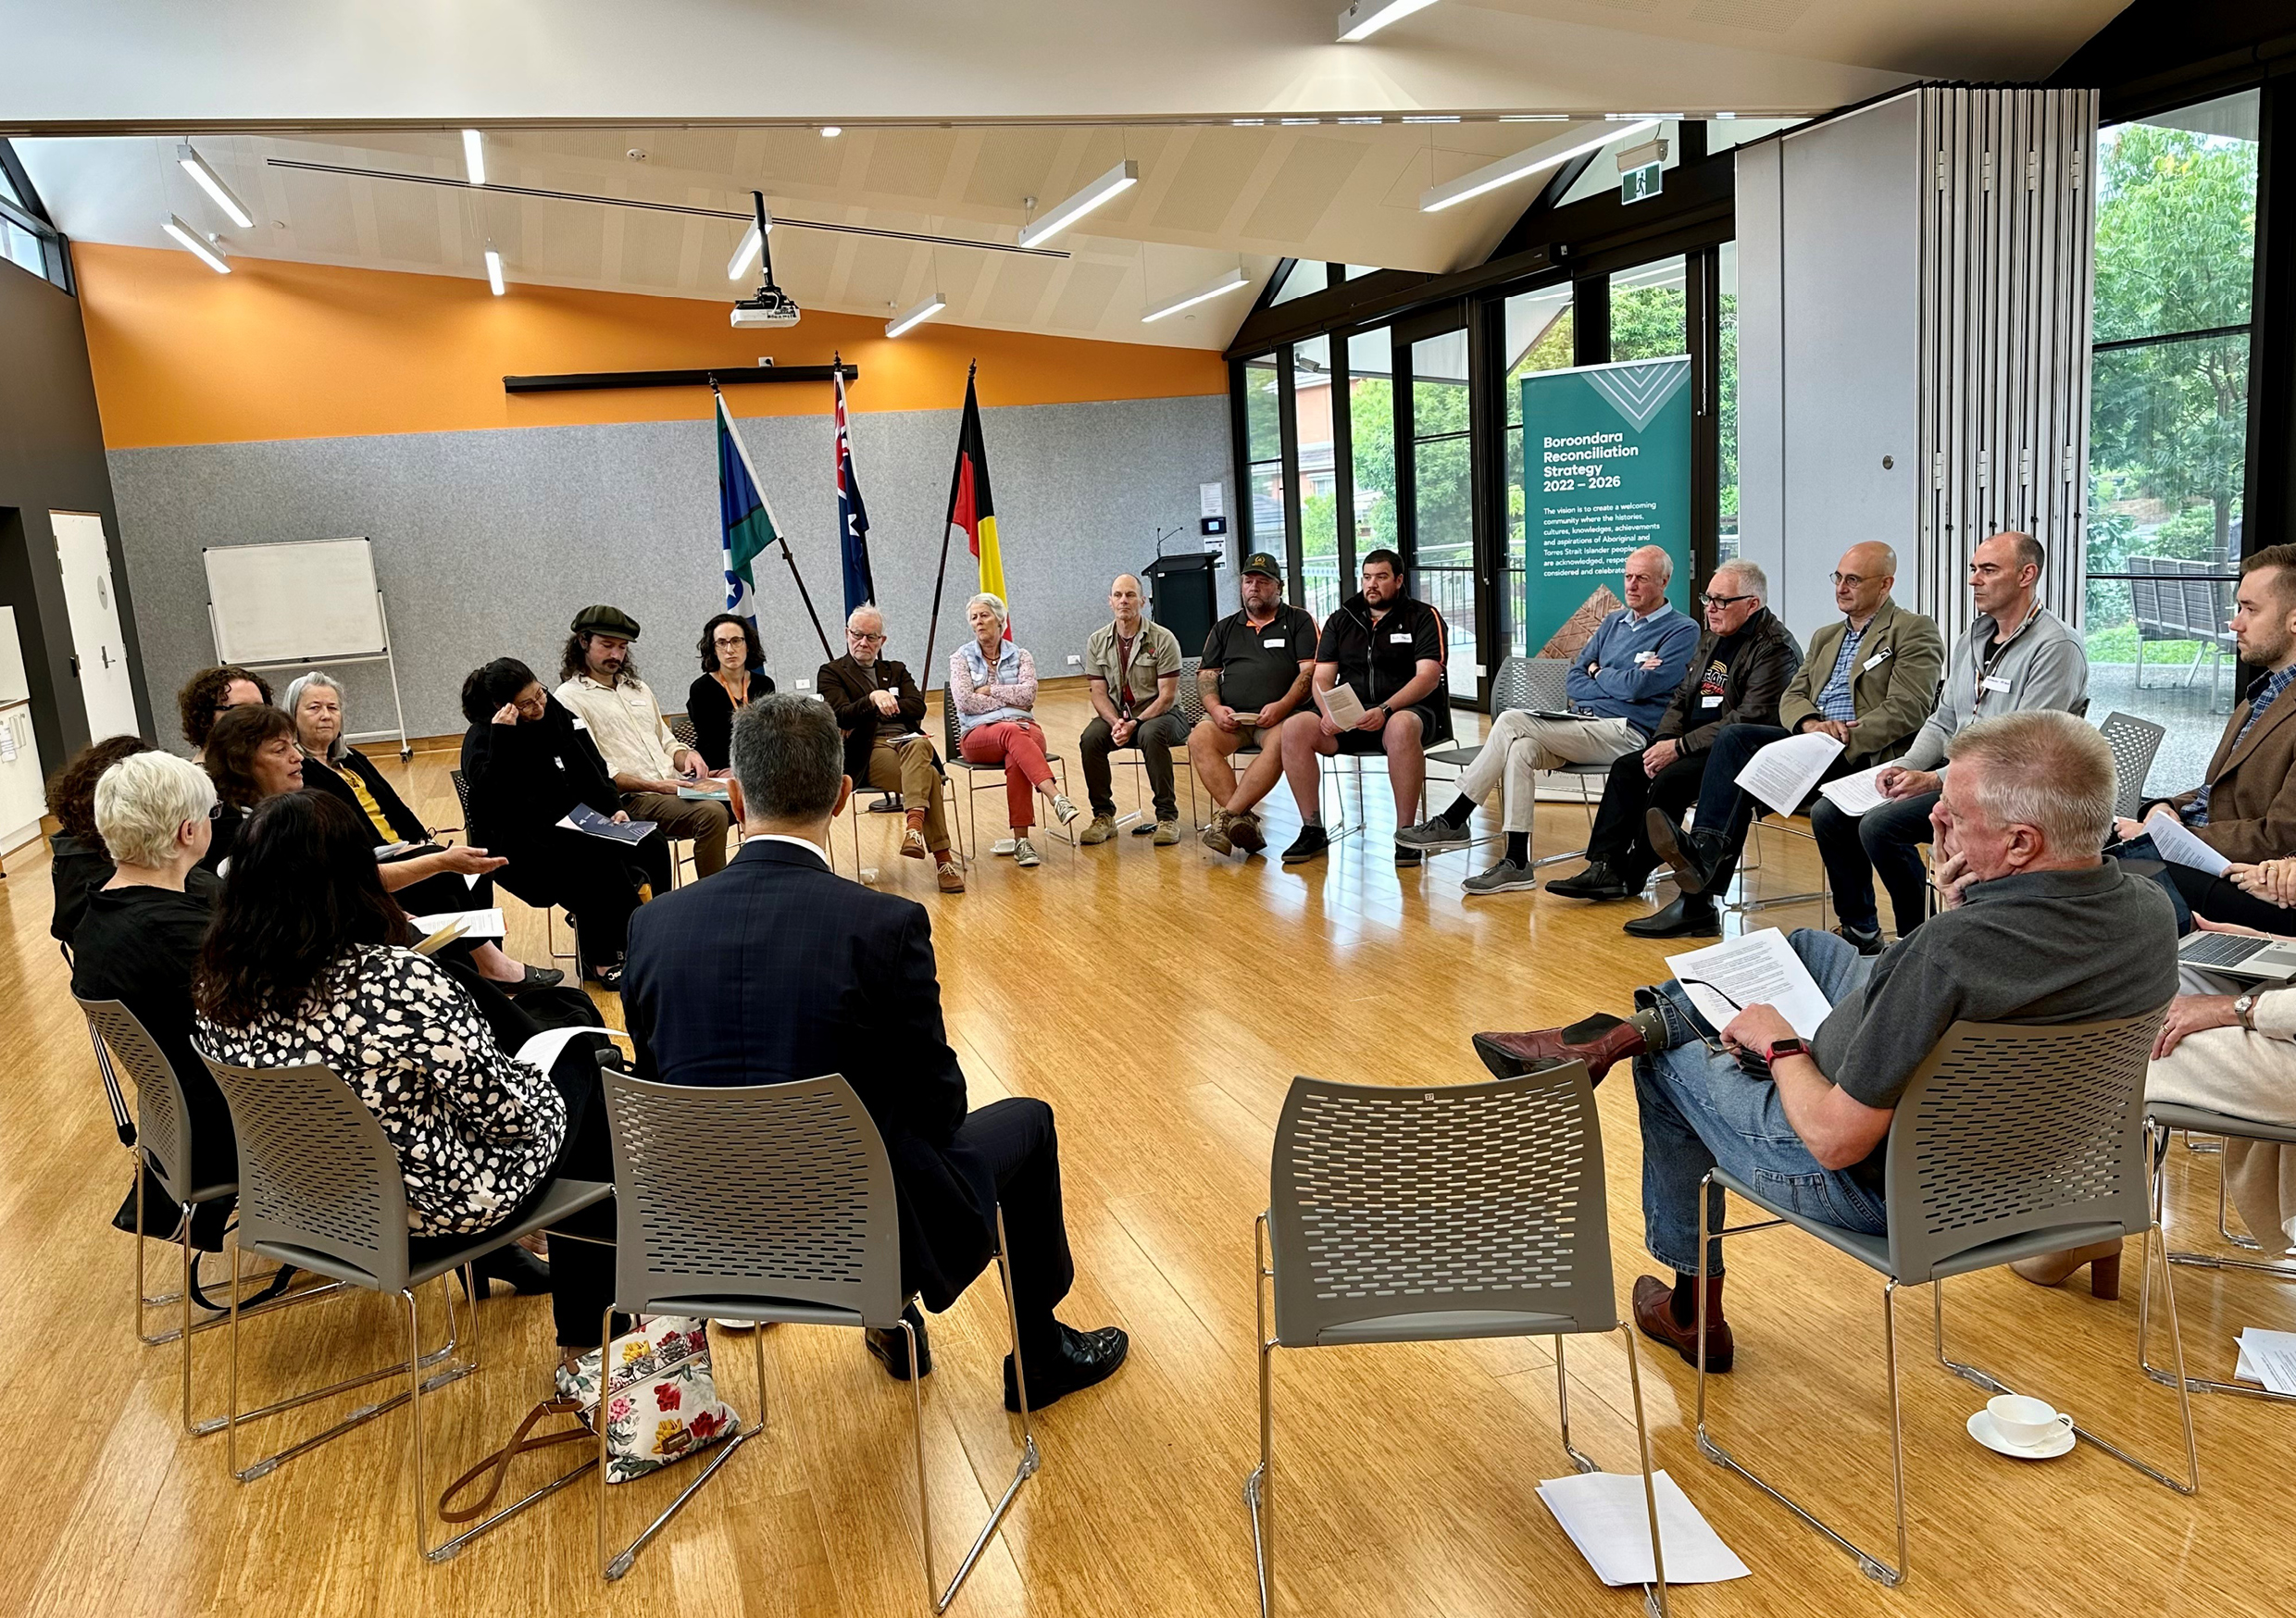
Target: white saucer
{"x":1982,"y":1428}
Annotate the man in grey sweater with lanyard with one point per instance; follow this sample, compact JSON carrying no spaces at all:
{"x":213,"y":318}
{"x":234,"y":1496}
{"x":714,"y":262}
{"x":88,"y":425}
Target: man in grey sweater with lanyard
{"x":2018,"y":655}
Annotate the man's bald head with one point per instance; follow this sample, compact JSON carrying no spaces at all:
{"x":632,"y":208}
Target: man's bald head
{"x":1863,"y":579}
{"x":1124,"y":599}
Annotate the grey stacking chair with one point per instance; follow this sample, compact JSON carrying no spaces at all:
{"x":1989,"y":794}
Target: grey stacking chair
{"x":682,"y":727}
{"x":1413,"y":1216}
{"x":2010,"y":1140}
{"x":770,"y":1202}
{"x":953,"y":753}
{"x":163,"y":1131}
{"x":2166,"y":1118}
{"x":2133,"y":742}
{"x":123,"y":1125}
{"x":550,"y":912}
{"x":1546,"y":685}
{"x":321,"y":1188}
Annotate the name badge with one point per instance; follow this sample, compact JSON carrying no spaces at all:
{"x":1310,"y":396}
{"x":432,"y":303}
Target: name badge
{"x":1993,"y":682}
{"x":1710,"y":702}
{"x":1867,"y":666}
{"x":1403,"y":639}
{"x":1279,"y":644}
{"x":581,"y":724}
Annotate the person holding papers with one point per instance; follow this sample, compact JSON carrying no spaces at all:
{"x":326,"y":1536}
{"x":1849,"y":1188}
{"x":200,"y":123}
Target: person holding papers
{"x":1619,"y":684}
{"x":528,"y":767}
{"x":1258,"y":664}
{"x":1378,"y":688}
{"x":2244,"y":811}
{"x":1864,"y":689}
{"x":2036,"y":926}
{"x":2018,"y":655}
{"x":880,"y":708}
{"x":733,"y":670}
{"x":600,"y":684}
{"x":1735,"y":675}
{"x":1132,"y":675}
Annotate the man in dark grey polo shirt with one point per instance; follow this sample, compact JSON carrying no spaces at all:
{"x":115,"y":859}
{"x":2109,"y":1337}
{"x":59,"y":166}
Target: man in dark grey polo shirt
{"x":1254,"y":676}
{"x":2036,"y":927}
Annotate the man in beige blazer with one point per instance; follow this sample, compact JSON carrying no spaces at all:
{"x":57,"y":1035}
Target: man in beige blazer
{"x":1869,"y":682}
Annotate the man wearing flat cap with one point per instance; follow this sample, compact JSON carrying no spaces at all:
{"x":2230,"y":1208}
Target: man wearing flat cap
{"x":1255,"y":671}
{"x":602,"y":687}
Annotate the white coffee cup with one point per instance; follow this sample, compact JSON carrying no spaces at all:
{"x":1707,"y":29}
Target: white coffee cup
{"x":2027,"y":1423}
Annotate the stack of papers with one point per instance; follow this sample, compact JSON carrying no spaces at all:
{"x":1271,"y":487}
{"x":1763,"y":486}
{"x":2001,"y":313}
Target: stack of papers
{"x":1782,"y":774}
{"x":1608,"y":1519}
{"x":2179,"y":847}
{"x":2268,"y":1357}
{"x":449,"y":925}
{"x":1342,"y":706}
{"x":1758,"y":969}
{"x":1854,"y":794}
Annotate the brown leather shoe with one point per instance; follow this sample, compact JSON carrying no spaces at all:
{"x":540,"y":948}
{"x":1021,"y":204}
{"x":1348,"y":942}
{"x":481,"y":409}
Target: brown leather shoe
{"x":951,"y":876}
{"x":1653,"y":1312}
{"x":1598,"y":1041}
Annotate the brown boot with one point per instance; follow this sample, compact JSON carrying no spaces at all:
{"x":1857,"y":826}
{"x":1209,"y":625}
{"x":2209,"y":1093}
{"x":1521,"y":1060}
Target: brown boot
{"x":1598,"y":1041}
{"x":2054,"y":1269}
{"x":1653,"y":1312}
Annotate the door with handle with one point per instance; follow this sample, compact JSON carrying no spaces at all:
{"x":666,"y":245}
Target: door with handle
{"x":92,"y":601}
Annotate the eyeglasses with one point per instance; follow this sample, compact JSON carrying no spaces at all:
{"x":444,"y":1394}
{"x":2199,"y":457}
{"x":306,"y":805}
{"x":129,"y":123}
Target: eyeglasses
{"x":1723,"y":601}
{"x":1852,"y":580}
{"x":864,"y":640}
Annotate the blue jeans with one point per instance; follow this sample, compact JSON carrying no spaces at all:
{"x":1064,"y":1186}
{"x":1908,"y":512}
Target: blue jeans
{"x":1700,"y":1111}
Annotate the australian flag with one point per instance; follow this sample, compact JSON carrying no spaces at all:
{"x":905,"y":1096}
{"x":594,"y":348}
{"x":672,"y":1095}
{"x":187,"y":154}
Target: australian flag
{"x":852,"y":518}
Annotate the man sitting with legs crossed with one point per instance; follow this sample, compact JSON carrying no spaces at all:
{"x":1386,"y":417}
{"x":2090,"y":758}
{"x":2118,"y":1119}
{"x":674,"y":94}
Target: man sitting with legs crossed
{"x":2036,"y":927}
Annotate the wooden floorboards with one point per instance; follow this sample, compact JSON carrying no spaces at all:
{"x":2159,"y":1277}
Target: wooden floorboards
{"x":1406,"y":1476}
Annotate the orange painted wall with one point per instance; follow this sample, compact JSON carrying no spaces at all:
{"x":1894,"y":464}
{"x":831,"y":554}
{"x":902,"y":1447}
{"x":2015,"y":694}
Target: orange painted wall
{"x":277,"y":350}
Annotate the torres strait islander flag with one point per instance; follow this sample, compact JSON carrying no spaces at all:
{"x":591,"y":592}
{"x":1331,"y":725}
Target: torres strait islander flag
{"x":971,"y":511}
{"x":746,"y":520}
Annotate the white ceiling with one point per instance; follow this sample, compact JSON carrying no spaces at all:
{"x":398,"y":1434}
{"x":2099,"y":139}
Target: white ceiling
{"x":952,"y":114}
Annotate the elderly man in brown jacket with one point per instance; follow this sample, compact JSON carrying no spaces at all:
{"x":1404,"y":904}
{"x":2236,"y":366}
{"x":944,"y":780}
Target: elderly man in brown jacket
{"x":2246,"y":807}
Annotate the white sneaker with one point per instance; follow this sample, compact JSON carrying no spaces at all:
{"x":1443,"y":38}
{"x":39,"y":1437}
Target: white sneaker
{"x":1024,"y":853}
{"x":1064,"y":808}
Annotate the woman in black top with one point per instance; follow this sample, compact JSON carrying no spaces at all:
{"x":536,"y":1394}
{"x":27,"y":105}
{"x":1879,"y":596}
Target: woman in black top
{"x":526,"y":764}
{"x":78,"y":862}
{"x":732,"y":676}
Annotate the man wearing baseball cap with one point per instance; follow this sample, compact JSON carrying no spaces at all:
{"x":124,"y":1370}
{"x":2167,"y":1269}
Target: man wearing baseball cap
{"x":1255,"y":671}
{"x":601,"y":686}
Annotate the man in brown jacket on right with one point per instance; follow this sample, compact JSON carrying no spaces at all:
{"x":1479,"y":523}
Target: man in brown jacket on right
{"x":2246,"y":807}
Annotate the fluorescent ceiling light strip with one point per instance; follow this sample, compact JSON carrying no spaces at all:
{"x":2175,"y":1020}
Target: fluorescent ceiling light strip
{"x":1227,"y":283}
{"x":474,"y":157}
{"x":199,"y":246}
{"x":494,"y":271}
{"x":1522,"y":166}
{"x":1366,"y":18}
{"x":1120,"y":179}
{"x":1438,"y":118}
{"x":212,"y":183}
{"x":916,"y":316}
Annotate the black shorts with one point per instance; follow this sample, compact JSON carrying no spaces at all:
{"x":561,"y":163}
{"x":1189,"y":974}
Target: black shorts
{"x":1433,"y":726}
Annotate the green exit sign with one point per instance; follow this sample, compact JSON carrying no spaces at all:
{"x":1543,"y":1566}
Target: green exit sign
{"x":1637,"y":184}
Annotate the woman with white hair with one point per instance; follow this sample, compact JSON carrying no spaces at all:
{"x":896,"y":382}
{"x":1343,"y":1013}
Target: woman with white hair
{"x":141,"y":930}
{"x":423,"y":877}
{"x":993,"y":682}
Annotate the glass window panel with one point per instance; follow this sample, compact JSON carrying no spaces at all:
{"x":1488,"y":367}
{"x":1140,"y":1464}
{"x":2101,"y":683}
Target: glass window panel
{"x":1371,"y":425}
{"x":1444,"y":570}
{"x":1319,"y":513}
{"x":1264,"y":438}
{"x":1647,"y":311}
{"x":1726,"y":371}
{"x":2177,"y":221}
{"x":21,"y":247}
{"x":1308,"y":275}
{"x":1538,"y":339}
{"x":1352,"y":270}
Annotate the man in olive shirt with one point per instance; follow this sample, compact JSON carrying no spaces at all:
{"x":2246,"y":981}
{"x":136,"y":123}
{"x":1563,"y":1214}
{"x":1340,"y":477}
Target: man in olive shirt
{"x":1131,"y":672}
{"x":1255,"y":671}
{"x":2036,"y":928}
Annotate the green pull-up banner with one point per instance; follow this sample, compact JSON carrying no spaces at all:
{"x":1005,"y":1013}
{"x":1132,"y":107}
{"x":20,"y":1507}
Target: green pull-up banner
{"x":1606,"y":470}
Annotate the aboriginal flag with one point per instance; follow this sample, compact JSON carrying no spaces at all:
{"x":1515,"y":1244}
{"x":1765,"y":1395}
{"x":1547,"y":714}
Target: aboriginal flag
{"x":971,"y":511}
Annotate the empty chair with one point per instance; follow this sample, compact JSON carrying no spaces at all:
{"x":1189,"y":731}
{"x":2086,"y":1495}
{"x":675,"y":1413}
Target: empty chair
{"x":1410,"y":1215}
{"x":2166,"y":1118}
{"x":2133,"y":742}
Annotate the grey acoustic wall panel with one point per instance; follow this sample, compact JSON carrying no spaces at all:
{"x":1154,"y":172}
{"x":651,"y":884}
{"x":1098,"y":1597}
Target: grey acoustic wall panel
{"x":486,"y":543}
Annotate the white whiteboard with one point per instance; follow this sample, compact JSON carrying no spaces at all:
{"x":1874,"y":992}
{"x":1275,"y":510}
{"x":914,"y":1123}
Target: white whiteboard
{"x":299,"y":603}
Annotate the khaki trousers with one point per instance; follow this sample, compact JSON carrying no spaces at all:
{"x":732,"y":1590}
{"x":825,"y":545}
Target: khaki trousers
{"x":700,"y":821}
{"x":907,"y":768}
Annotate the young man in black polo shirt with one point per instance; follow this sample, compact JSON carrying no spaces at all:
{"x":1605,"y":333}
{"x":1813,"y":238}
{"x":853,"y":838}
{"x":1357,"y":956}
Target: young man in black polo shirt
{"x":1388,"y":649}
{"x":1255,"y":675}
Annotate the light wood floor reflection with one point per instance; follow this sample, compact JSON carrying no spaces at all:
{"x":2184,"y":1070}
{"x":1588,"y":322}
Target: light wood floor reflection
{"x":1408,"y":1475}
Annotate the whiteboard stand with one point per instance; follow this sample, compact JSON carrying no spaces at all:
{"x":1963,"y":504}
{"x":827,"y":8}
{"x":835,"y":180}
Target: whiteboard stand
{"x":406,"y":748}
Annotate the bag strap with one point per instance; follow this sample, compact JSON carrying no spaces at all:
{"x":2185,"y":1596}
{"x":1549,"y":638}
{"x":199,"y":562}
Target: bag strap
{"x":499,"y":1462}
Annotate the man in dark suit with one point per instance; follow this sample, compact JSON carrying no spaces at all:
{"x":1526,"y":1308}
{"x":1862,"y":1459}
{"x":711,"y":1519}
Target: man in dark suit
{"x":877,"y":707}
{"x":780,"y":969}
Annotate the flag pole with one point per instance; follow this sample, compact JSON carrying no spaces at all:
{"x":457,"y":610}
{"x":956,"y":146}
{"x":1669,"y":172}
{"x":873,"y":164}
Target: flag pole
{"x":767,"y":501}
{"x":932,"y":629}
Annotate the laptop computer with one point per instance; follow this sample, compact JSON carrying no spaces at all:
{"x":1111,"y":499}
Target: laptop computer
{"x":2239,"y":955}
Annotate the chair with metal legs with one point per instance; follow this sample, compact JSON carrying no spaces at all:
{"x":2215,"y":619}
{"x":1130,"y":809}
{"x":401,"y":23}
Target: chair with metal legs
{"x":1408,"y":1215}
{"x":321,"y":1188}
{"x":771,"y":1202}
{"x":163,"y":1130}
{"x":953,"y":755}
{"x":2165,"y":1118}
{"x":2010,"y":1140}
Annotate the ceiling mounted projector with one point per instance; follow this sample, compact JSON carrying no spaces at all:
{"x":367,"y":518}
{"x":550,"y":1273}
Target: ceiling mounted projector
{"x":769,"y":305}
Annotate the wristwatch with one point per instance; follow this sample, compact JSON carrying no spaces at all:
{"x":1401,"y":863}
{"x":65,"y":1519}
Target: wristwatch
{"x":1386,"y":710}
{"x":1788,"y":1046}
{"x":2244,"y":1008}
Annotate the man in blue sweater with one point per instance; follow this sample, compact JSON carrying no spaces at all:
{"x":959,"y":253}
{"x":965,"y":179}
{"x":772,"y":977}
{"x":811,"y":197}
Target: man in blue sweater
{"x":1619,"y":684}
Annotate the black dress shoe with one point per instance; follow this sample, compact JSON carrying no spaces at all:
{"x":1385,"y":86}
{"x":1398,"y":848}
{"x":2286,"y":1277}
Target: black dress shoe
{"x":1597,"y":881}
{"x":536,"y":977}
{"x":892,"y":1349}
{"x":516,"y":1268}
{"x":1688,"y":917}
{"x":1082,"y":1359}
{"x":1696,"y":857}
